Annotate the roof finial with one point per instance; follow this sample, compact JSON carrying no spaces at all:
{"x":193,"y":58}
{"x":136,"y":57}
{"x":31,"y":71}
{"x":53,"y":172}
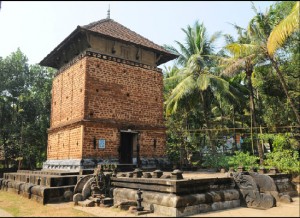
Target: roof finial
{"x":108,"y":12}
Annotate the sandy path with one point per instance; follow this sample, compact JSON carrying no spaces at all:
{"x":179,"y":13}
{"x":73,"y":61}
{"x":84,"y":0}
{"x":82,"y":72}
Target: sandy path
{"x":3,"y":213}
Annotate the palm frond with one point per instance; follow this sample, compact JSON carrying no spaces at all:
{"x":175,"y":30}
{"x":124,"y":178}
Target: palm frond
{"x":203,"y":81}
{"x":228,"y":38}
{"x":177,"y":77}
{"x":184,"y":88}
{"x":283,"y":30}
{"x":241,"y":50}
{"x":171,"y":49}
{"x":254,"y":8}
{"x":215,"y":36}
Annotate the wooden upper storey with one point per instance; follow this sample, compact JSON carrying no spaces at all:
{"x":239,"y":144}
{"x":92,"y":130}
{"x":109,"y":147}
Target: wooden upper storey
{"x":108,"y":37}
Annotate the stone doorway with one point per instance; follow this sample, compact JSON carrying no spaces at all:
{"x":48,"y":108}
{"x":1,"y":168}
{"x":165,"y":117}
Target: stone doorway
{"x":128,"y":145}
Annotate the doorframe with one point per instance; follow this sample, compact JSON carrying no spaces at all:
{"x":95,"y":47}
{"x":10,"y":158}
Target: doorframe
{"x":134,"y":152}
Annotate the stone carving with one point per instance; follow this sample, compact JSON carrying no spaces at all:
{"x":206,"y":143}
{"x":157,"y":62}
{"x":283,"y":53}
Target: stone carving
{"x":265,"y":184}
{"x":93,"y":187}
{"x":79,"y":186}
{"x":251,"y":196}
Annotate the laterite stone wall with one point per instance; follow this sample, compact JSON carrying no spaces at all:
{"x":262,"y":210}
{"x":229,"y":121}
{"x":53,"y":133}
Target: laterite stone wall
{"x":123,"y":93}
{"x":96,"y":98}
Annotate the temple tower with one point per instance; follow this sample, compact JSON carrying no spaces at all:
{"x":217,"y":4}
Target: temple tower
{"x":107,"y":98}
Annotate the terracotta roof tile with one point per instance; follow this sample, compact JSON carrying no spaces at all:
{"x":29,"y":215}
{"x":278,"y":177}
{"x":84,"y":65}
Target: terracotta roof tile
{"x":110,"y":28}
{"x":113,"y":29}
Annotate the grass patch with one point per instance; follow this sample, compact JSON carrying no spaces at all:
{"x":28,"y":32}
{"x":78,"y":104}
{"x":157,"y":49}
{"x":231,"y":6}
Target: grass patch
{"x":20,"y":206}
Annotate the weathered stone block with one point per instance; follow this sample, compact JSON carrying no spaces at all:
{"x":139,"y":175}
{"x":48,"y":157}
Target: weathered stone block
{"x":86,"y":203}
{"x":157,"y":173}
{"x":285,"y":199}
{"x":108,"y":201}
{"x":273,"y":170}
{"x":68,"y":195}
{"x":77,"y":197}
{"x":147,"y":175}
{"x":177,"y":174}
{"x":137,"y":173}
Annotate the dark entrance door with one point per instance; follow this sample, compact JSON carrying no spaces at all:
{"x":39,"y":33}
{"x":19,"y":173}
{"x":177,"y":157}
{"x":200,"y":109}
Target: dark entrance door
{"x":126,"y":147}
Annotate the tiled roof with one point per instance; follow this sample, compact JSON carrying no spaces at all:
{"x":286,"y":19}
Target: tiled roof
{"x":113,"y":29}
{"x":109,"y":28}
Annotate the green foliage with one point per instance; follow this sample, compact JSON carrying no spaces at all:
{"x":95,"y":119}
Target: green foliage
{"x":281,"y":141}
{"x":287,"y":161}
{"x":179,"y":139}
{"x":24,"y":110}
{"x":243,"y":159}
{"x":217,"y":161}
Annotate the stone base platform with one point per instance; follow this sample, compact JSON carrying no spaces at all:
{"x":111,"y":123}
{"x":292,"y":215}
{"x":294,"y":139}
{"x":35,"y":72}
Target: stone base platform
{"x":167,"y":204}
{"x":42,"y":186}
{"x":175,"y":196}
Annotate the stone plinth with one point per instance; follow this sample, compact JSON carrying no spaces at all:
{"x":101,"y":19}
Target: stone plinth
{"x":167,"y":204}
{"x":42,"y":186}
{"x":184,"y":186}
{"x":178,"y":197}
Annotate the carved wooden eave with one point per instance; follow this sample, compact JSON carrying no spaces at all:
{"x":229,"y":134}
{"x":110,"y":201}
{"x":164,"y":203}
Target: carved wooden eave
{"x":70,"y":47}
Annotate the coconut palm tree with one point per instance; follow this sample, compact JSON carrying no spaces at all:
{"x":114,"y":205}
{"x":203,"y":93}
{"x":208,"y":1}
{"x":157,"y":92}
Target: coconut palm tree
{"x":197,"y":82}
{"x":200,"y":86}
{"x":252,"y":49}
{"x":196,"y":42}
{"x":242,"y":59}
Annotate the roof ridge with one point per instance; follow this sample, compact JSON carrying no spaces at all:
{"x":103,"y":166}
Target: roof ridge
{"x":138,"y":34}
{"x":95,"y":23}
{"x":92,"y":24}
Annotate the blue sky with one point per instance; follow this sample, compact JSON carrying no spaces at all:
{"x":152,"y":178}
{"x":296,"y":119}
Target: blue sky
{"x":38,"y":27}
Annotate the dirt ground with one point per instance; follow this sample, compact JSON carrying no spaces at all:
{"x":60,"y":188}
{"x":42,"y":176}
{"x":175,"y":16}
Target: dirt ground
{"x":14,"y":205}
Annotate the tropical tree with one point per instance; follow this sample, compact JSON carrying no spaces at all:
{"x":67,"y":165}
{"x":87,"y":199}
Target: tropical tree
{"x":196,"y":42}
{"x":259,"y":30}
{"x":24,"y":110}
{"x":242,"y":58}
{"x":199,"y":86}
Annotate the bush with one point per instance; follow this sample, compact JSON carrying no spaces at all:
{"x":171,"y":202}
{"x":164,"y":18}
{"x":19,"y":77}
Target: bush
{"x":281,"y":141}
{"x":287,"y":161}
{"x":243,"y":159}
{"x":217,"y":161}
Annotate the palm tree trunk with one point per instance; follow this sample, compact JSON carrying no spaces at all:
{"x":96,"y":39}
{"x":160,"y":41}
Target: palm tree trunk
{"x":284,"y":86}
{"x":253,"y":115}
{"x":207,"y":122}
